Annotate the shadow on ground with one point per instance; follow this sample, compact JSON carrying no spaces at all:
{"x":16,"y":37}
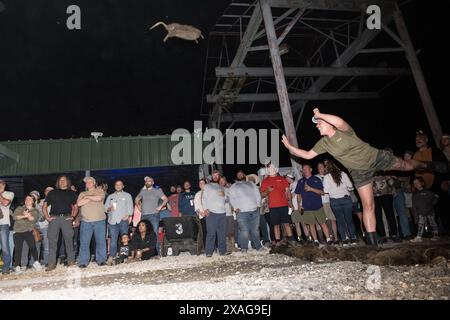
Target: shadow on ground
{"x":402,"y":254}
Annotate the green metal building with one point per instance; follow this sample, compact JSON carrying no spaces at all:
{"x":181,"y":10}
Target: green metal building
{"x":36,"y":157}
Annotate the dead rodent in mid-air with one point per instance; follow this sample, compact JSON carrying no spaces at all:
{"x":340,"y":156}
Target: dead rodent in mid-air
{"x":181,"y":31}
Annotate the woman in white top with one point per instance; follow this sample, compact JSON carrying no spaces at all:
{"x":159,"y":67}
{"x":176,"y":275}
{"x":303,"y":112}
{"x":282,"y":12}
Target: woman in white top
{"x":338,"y":186}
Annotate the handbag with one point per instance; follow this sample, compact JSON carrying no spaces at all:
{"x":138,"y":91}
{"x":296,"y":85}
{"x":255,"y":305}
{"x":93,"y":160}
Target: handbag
{"x":37,"y":235}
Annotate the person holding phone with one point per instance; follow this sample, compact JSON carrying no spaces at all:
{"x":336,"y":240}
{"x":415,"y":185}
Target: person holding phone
{"x":119,"y":206}
{"x":143,"y":245}
{"x":276,"y":188}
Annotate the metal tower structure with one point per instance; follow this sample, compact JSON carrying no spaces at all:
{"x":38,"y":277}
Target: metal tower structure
{"x":267,"y":58}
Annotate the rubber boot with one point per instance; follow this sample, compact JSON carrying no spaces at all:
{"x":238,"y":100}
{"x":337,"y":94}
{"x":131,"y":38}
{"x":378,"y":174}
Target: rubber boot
{"x":371,"y":239}
{"x":230,"y":245}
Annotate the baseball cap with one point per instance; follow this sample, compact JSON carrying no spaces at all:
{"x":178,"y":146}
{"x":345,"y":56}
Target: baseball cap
{"x":253,"y":177}
{"x":36,"y":193}
{"x":290,"y":176}
{"x":421,"y":133}
{"x":89,"y":178}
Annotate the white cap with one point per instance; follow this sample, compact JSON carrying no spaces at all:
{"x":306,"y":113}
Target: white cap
{"x":89,"y":178}
{"x":35,"y":192}
{"x":254,"y":177}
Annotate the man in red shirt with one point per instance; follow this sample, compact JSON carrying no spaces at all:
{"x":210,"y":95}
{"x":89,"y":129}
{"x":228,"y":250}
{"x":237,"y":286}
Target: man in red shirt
{"x":277,"y":188}
{"x":173,"y":202}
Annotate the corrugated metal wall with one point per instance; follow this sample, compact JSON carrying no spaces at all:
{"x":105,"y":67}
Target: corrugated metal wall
{"x":67,"y":155}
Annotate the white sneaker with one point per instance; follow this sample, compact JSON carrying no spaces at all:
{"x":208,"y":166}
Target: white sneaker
{"x":416,"y":239}
{"x":37,"y":266}
{"x":18,"y":270}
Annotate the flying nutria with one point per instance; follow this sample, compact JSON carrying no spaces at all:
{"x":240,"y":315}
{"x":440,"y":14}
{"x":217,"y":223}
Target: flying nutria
{"x":181,"y":31}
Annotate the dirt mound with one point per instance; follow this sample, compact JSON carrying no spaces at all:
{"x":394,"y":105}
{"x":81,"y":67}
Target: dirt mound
{"x":403,"y":254}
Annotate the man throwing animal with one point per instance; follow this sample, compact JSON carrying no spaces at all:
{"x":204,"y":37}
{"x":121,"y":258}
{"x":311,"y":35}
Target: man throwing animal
{"x":361,"y":159}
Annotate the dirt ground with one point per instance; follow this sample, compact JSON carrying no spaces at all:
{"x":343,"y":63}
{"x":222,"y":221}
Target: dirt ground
{"x":255,"y":275}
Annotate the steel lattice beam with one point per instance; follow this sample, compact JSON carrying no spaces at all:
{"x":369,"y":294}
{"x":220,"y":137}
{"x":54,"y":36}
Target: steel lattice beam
{"x":312,"y":71}
{"x":246,"y":42}
{"x":344,"y":59}
{"x":267,"y":97}
{"x":336,"y":5}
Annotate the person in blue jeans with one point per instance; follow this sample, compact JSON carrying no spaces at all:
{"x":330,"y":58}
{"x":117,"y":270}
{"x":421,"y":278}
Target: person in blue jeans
{"x":400,"y":209}
{"x":148,"y":202}
{"x":213,"y":200}
{"x":6,"y":197}
{"x":92,"y":223}
{"x":337,"y":185}
{"x":245,"y":199}
{"x":119,"y":206}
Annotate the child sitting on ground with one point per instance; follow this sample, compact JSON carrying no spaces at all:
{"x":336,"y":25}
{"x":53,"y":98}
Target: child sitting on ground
{"x":423,"y":202}
{"x":124,"y":250}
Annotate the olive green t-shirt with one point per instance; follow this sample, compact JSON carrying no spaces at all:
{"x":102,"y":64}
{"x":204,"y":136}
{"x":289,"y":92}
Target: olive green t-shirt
{"x":348,"y":149}
{"x":24,"y":225}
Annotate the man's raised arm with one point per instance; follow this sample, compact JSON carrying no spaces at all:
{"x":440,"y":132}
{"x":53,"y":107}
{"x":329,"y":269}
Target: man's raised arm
{"x":335,"y":121}
{"x":308,"y":155}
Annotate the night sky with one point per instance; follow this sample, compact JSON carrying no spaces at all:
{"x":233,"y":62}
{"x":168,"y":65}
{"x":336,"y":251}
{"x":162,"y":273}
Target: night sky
{"x":117,"y":77}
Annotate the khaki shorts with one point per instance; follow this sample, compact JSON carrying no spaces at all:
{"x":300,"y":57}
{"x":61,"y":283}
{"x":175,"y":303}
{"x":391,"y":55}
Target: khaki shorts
{"x":384,"y":161}
{"x":313,"y":217}
{"x":328,"y":211}
{"x":297,"y":217}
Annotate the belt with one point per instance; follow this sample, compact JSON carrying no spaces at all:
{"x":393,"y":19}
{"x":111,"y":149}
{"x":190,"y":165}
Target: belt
{"x":61,"y":215}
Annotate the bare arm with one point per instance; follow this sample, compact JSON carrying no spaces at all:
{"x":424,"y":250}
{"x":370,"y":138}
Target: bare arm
{"x":316,"y":191}
{"x":299,"y":201}
{"x":163,"y":204}
{"x":266,"y":192}
{"x":45,"y":211}
{"x":308,"y":188}
{"x":81,"y":202}
{"x":335,"y":121}
{"x":288,"y":195}
{"x":95,"y":198}
{"x":74,"y":210}
{"x":308,"y":155}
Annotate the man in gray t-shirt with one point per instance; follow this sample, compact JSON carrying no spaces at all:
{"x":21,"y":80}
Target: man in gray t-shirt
{"x":147,"y":201}
{"x":245,"y":199}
